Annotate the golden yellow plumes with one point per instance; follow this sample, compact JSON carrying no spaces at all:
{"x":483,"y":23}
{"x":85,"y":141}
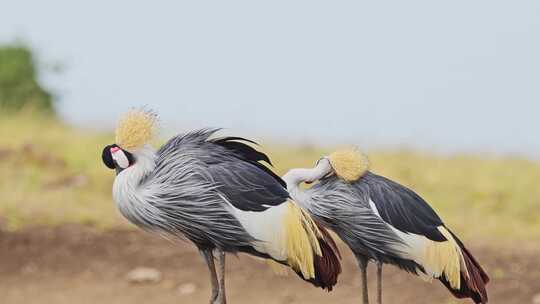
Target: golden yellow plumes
{"x":446,"y":258}
{"x":301,"y":240}
{"x":136,"y":128}
{"x":349,"y":164}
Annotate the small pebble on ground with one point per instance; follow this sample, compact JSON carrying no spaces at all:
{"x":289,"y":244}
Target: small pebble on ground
{"x":144,"y":275}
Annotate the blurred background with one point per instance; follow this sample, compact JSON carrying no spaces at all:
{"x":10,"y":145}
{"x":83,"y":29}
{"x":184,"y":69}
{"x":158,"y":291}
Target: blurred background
{"x":443,"y":97}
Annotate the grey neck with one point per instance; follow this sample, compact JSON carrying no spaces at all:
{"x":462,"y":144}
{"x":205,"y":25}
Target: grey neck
{"x":295,"y":177}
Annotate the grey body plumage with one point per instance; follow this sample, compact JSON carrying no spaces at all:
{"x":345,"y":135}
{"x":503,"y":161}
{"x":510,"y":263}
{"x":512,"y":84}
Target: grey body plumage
{"x":180,"y":198}
{"x":345,"y":208}
{"x":190,"y":201}
{"x":383,"y":221}
{"x":216,"y":193}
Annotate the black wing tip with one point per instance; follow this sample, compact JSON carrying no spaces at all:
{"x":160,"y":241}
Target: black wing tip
{"x":474,"y":283}
{"x":236,"y":138}
{"x":239,"y":145}
{"x":328,"y":265}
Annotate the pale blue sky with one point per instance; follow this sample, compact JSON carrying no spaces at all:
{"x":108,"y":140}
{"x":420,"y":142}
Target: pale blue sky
{"x":448,"y":76}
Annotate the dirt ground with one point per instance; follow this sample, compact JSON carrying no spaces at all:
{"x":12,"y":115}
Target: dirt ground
{"x":74,"y":264}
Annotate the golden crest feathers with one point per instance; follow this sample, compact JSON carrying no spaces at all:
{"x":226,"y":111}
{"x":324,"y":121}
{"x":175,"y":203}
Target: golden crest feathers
{"x":349,"y":164}
{"x":136,"y":128}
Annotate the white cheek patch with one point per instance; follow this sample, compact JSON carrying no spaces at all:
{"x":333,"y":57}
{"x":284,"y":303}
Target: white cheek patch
{"x":121,"y":159}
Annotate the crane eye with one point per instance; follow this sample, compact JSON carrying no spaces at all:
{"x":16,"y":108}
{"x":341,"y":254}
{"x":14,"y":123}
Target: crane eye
{"x":106,"y":156}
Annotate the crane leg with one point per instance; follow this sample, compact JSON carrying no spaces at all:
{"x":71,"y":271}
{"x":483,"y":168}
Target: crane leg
{"x":362,"y":263}
{"x":379,"y":282}
{"x":209,"y":258}
{"x":221,"y":299}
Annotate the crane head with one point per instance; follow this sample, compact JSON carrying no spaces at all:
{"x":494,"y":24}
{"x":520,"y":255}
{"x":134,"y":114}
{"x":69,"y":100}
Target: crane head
{"x":135,"y":129}
{"x":117,"y":158}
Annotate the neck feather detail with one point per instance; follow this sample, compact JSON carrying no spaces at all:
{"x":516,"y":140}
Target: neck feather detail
{"x":295,"y":177}
{"x":128,"y":192}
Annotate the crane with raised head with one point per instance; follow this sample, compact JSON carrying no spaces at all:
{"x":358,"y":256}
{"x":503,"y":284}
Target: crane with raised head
{"x":385,"y":222}
{"x":216,"y":193}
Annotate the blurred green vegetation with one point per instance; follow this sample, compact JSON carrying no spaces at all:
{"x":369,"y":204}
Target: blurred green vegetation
{"x":52,"y":175}
{"x":19,"y":85}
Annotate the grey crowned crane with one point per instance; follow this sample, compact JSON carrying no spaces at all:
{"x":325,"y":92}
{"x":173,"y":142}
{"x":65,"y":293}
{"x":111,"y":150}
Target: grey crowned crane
{"x":385,"y":222}
{"x":216,"y":194}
